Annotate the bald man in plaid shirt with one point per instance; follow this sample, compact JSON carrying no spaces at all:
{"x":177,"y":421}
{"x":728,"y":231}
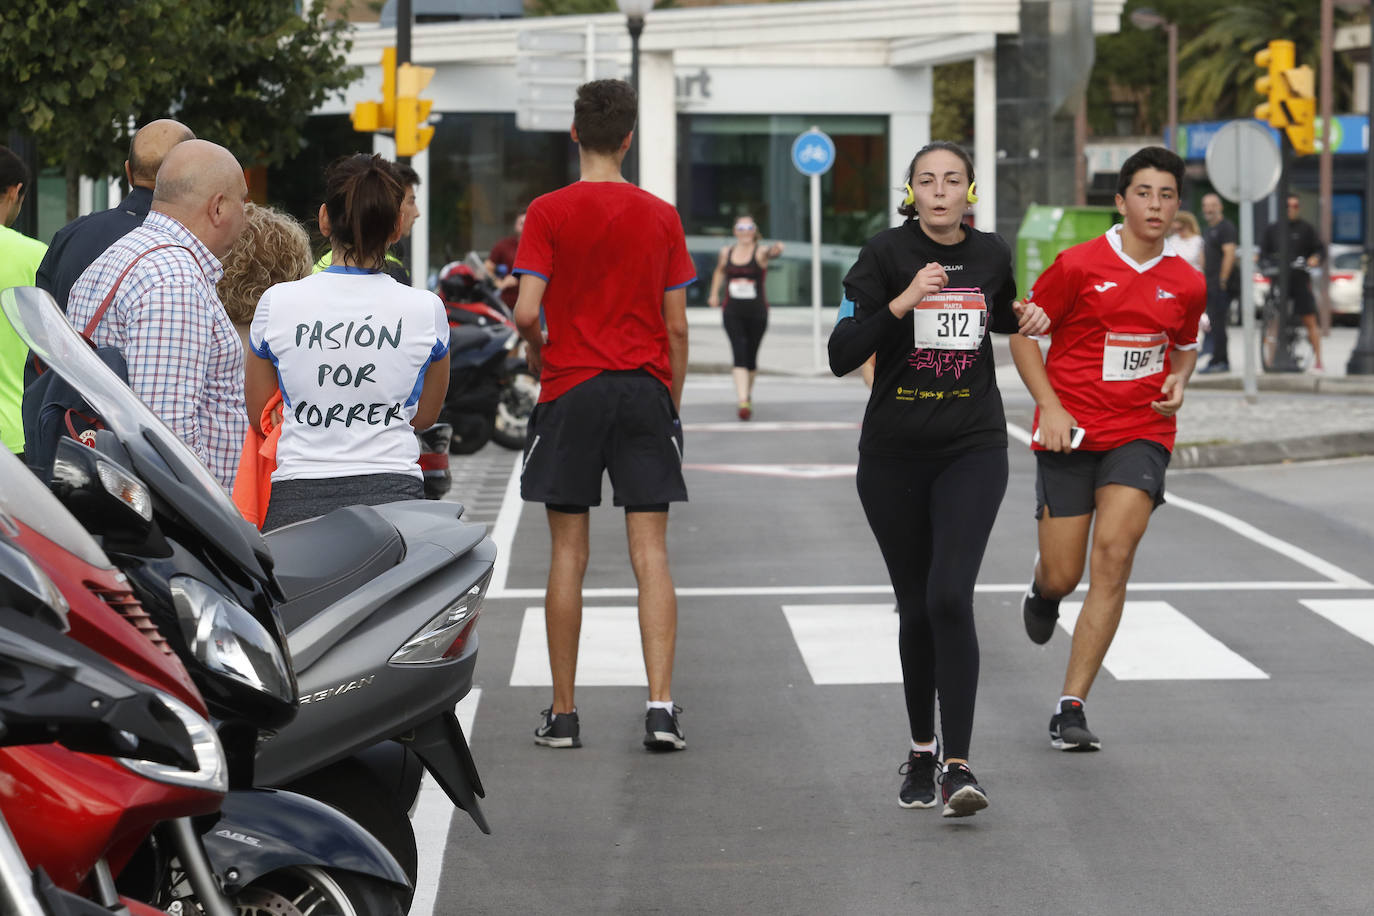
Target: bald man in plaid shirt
{"x":185,"y":358}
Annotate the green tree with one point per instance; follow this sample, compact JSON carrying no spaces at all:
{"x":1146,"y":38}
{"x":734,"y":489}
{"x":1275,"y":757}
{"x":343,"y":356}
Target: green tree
{"x":80,"y":74}
{"x":1218,"y":65}
{"x":951,"y":116}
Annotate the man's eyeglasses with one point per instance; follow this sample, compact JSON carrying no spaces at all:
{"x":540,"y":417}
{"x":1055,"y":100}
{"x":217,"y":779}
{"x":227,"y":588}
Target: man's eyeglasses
{"x":745,"y":227}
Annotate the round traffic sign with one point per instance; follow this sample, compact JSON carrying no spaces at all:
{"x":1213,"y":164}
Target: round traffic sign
{"x":1243,"y":161}
{"x":813,"y":152}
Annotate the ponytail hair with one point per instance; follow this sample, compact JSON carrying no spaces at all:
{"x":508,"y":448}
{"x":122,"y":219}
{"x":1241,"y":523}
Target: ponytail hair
{"x":363,"y":199}
{"x":908,"y":207}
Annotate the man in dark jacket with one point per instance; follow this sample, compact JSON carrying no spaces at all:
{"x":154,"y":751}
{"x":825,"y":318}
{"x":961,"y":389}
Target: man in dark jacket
{"x":77,"y":244}
{"x":1305,"y":251}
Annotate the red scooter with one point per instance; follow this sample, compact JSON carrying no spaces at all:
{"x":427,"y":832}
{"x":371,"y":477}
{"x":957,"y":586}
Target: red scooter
{"x":82,"y":817}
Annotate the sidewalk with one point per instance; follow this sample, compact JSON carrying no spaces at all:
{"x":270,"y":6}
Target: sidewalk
{"x":1294,"y":417}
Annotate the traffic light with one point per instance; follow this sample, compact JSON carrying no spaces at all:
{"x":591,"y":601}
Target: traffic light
{"x":412,"y":134}
{"x":1290,"y":92}
{"x":1276,"y":59}
{"x":373,"y":116}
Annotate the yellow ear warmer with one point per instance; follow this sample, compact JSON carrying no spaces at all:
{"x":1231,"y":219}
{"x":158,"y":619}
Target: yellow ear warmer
{"x":971,"y":197}
{"x":910,"y":195}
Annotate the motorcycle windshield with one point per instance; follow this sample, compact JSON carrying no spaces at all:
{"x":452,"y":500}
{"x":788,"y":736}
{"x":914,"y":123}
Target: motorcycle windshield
{"x":162,"y":461}
{"x":24,"y":498}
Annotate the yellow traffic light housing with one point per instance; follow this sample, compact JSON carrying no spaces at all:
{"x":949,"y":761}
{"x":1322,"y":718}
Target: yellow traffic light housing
{"x":1301,"y":107}
{"x":373,"y":116}
{"x":412,"y":134}
{"x":1276,"y":59}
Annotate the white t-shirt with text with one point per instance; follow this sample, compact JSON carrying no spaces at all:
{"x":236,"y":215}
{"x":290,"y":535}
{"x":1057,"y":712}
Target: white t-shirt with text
{"x":351,"y":348}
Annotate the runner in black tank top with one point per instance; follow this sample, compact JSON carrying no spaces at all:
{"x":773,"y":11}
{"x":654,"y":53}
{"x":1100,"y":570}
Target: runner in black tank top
{"x":741,"y":270}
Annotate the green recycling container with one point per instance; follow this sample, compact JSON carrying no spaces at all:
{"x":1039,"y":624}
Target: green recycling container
{"x":1046,"y":231}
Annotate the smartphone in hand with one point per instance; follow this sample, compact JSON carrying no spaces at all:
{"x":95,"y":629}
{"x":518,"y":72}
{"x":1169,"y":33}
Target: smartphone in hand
{"x":1076,"y":434}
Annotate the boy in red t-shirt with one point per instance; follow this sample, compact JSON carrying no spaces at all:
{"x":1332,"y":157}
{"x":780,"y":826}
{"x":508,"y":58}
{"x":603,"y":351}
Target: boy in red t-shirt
{"x":1124,"y":311}
{"x":608,"y":264}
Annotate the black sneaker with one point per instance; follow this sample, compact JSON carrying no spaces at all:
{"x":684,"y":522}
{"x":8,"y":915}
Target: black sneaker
{"x":1069,"y":729}
{"x":918,"y":789}
{"x":559,"y":729}
{"x":962,"y":794}
{"x":662,"y":731}
{"x":1040,"y":615}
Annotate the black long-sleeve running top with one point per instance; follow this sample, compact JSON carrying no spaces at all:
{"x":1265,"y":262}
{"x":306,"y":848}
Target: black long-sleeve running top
{"x":927,"y":400}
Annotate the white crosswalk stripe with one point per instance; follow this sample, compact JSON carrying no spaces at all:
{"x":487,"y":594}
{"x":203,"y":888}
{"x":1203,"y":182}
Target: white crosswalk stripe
{"x":1354,"y":615}
{"x":846,"y":643}
{"x":608,"y":655}
{"x":1155,"y":642}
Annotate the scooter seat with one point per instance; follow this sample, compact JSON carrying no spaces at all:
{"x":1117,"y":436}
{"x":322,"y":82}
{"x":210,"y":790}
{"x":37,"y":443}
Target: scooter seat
{"x":467,"y":337}
{"x":320,"y":560}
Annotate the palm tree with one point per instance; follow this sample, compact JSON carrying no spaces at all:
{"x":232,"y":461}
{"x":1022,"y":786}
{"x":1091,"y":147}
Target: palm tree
{"x":1218,"y":68}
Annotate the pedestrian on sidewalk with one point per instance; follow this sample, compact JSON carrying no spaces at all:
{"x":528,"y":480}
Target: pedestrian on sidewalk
{"x":1124,"y":311}
{"x":1221,"y":270}
{"x":742,"y":268}
{"x":19,"y":260}
{"x":502,"y":258}
{"x":360,"y":360}
{"x":608,"y":265}
{"x":1305,"y":251}
{"x":933,"y":448}
{"x":185,"y":359}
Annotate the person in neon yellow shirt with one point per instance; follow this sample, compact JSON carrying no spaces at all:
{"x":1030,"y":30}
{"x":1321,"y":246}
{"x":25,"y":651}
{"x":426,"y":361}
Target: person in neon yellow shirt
{"x":19,"y":260}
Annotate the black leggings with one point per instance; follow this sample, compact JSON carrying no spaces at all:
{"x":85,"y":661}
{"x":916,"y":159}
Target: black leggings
{"x":745,"y":329}
{"x":932,"y":518}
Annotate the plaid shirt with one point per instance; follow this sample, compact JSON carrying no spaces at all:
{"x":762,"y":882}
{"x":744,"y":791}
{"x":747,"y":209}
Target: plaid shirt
{"x":185,"y":358}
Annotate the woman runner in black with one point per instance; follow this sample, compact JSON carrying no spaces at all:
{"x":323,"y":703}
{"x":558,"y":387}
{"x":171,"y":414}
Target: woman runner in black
{"x":743,"y":267}
{"x":933,"y":450}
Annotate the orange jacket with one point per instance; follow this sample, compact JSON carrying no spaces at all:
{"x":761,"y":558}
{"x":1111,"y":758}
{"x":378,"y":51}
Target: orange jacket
{"x":253,"y":482}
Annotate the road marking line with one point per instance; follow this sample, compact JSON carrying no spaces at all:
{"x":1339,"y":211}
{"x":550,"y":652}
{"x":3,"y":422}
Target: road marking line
{"x":770,"y":426}
{"x":608,"y":653}
{"x":1250,"y":532}
{"x":846,"y":643}
{"x":503,"y":534}
{"x":1157,"y":643}
{"x":431,"y":819}
{"x":1014,"y":588}
{"x":1354,"y":615}
{"x":794,"y":471}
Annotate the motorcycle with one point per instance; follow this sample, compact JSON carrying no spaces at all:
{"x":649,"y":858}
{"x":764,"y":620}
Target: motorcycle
{"x":202,"y":575}
{"x":93,"y":757}
{"x":378,"y":604}
{"x":491,"y":391}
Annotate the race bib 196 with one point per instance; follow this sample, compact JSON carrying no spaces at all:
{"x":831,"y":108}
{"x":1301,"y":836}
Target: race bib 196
{"x":1133,"y":356}
{"x":743,"y":288}
{"x":952,"y":319}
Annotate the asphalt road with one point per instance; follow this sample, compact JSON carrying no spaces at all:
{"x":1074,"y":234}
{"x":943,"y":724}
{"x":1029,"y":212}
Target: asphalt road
{"x":1234,"y":712}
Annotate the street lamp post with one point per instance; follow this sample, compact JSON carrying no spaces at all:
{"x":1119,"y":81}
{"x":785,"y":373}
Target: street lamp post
{"x":635,"y":11}
{"x":1146,"y":18}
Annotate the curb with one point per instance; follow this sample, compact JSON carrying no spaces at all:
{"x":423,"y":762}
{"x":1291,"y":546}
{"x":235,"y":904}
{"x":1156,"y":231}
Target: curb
{"x":1295,"y":383}
{"x":1305,"y":448}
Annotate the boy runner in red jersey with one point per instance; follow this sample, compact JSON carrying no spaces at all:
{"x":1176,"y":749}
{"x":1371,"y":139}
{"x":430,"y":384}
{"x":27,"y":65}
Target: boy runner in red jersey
{"x":1124,"y":312}
{"x":608,"y":264}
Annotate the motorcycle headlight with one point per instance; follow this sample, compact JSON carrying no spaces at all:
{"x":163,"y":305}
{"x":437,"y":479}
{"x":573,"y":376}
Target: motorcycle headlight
{"x":445,"y":635}
{"x":227,"y":639}
{"x":211,"y":772}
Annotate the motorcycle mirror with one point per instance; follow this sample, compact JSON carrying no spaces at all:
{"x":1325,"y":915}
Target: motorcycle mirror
{"x":27,"y":589}
{"x":479,"y":267}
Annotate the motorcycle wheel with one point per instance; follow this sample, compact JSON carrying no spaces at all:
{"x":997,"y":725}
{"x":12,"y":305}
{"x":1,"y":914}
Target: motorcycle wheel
{"x":310,"y":891}
{"x":518,"y":398}
{"x":470,"y":433}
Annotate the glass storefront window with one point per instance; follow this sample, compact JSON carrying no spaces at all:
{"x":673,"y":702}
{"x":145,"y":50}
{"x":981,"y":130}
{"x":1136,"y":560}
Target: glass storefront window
{"x":730,"y":164}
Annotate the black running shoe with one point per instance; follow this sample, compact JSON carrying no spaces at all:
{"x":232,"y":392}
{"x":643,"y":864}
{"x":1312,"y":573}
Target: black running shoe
{"x":559,"y":729}
{"x":1069,"y":729}
{"x":962,"y":794}
{"x":1039,"y":614}
{"x":662,"y":731}
{"x":918,"y":789}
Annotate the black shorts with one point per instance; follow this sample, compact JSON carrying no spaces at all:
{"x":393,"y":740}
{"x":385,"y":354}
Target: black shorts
{"x":1067,"y":483}
{"x":1300,"y":291}
{"x":621,"y":422}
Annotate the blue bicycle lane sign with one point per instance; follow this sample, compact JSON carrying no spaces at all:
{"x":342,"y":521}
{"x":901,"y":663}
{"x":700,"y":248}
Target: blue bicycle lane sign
{"x":813,"y":152}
